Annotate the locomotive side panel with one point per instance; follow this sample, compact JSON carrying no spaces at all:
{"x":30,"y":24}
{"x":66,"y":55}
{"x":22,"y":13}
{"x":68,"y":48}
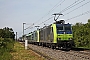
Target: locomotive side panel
{"x":46,"y":35}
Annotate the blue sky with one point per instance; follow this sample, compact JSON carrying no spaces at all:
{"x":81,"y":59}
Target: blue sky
{"x":14,"y":12}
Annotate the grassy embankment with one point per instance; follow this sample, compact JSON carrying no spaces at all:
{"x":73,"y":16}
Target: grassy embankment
{"x":21,"y":54}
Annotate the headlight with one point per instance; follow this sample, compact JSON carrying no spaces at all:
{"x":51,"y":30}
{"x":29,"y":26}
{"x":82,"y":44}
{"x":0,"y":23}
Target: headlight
{"x":70,"y":38}
{"x":59,"y":38}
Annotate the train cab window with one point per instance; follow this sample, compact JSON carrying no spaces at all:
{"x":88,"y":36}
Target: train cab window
{"x":59,"y":27}
{"x":67,"y":27}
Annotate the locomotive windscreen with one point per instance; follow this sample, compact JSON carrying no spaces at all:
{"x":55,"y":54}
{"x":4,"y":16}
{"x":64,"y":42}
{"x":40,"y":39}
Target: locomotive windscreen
{"x":67,"y":27}
{"x":61,"y":28}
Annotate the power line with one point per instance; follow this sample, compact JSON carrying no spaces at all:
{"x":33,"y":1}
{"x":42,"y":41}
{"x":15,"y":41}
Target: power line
{"x":46,"y":20}
{"x":77,"y":8}
{"x":87,"y":12}
{"x":52,"y":9}
{"x":57,"y":5}
{"x":72,"y":5}
{"x":29,"y":26}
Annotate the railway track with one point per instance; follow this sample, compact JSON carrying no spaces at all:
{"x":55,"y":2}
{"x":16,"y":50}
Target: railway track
{"x":81,"y":55}
{"x":57,"y":54}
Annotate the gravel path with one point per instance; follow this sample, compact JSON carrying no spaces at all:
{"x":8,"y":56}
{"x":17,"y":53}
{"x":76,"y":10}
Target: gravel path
{"x":59,"y":54}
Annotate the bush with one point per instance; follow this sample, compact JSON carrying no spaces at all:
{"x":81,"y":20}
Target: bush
{"x":6,"y":46}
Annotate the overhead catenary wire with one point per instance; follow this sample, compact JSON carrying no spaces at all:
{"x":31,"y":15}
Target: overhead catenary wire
{"x":57,"y":6}
{"x":45,"y":20}
{"x":77,"y":8}
{"x":87,"y":12}
{"x":29,"y":26}
{"x":52,"y":10}
{"x":72,"y":5}
{"x":59,"y":3}
{"x":38,"y":24}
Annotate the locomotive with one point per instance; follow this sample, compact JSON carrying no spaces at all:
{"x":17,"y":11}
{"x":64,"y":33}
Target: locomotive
{"x":56,"y":35}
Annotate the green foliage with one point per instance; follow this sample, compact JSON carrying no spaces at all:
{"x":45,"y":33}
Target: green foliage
{"x":7,"y":33}
{"x":81,"y":34}
{"x":6,"y":46}
{"x":6,"y":43}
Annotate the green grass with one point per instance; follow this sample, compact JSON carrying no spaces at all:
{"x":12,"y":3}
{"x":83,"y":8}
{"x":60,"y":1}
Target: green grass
{"x":21,"y":54}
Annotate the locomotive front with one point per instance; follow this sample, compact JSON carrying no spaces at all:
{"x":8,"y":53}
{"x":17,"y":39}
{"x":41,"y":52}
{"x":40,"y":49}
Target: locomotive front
{"x":63,"y":35}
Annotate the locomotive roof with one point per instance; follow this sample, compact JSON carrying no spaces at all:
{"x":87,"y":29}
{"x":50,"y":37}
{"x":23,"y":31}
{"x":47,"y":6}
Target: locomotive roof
{"x":59,"y":22}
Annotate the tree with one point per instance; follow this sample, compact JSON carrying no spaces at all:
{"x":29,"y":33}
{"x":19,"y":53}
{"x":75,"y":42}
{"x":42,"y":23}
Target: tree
{"x":7,"y":33}
{"x":81,"y":33}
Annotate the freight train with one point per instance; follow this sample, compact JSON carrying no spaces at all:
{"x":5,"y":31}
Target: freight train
{"x":56,"y":35}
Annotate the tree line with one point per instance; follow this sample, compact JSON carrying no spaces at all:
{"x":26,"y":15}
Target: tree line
{"x":81,"y":34}
{"x":7,"y":33}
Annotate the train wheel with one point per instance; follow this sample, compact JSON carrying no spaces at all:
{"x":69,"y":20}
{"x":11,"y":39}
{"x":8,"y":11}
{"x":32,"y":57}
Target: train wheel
{"x":53,"y":47}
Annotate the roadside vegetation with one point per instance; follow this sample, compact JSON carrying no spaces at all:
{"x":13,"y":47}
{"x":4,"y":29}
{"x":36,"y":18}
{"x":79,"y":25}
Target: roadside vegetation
{"x":81,"y":33}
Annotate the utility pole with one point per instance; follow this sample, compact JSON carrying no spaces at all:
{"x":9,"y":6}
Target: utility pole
{"x":23,"y":31}
{"x":16,"y":36}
